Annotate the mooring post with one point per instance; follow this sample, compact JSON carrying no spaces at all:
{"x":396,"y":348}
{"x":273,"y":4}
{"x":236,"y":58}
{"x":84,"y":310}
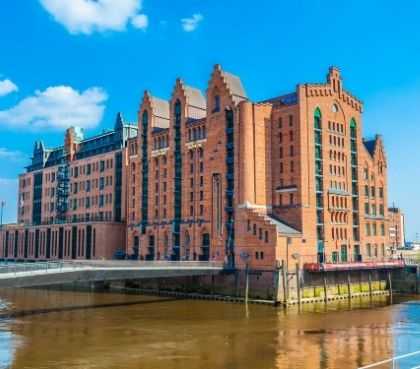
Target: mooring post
{"x":284,"y":282}
{"x":298,"y":283}
{"x":390,"y":285}
{"x":349,"y":285}
{"x":276,"y":284}
{"x":246,"y":283}
{"x":325,"y":288}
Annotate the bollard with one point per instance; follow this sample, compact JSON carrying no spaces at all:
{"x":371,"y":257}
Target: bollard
{"x":246,"y":283}
{"x":298,"y":283}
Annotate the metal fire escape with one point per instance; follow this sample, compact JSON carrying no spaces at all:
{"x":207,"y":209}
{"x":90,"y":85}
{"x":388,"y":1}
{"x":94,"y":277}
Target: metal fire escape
{"x":63,"y":184}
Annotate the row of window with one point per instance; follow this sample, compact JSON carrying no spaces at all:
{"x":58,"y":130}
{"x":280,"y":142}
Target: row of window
{"x":336,"y":141}
{"x":160,"y":142}
{"x":291,"y":167}
{"x":372,"y":229}
{"x":291,"y":136}
{"x":87,"y":202}
{"x":197,"y":133}
{"x":371,"y":209}
{"x":337,"y":170}
{"x":337,"y":156}
{"x":87,"y":185}
{"x":289,"y":120}
{"x":337,"y":127}
{"x":262,"y":234}
{"x":90,"y":168}
{"x":372,"y":191}
{"x":25,"y":182}
{"x":291,"y":151}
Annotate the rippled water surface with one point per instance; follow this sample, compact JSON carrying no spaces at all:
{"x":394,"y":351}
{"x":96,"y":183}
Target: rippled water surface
{"x":60,"y":329}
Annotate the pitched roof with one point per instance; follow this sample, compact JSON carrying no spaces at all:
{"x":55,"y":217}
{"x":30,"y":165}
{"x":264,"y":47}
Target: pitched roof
{"x":195,"y":97}
{"x":370,"y":146}
{"x":235,"y":84}
{"x":160,"y":107}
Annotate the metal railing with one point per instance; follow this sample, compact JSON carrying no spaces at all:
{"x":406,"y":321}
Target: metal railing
{"x":407,"y":361}
{"x":59,"y":265}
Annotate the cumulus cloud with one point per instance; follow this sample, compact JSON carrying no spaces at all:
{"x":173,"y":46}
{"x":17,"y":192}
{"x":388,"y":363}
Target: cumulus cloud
{"x":140,"y":21}
{"x":11,"y":155}
{"x":191,"y":24}
{"x":7,"y":87}
{"x":88,"y":16}
{"x":57,"y":107}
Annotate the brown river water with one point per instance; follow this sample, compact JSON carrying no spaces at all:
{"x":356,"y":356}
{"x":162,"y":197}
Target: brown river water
{"x":46,"y":329}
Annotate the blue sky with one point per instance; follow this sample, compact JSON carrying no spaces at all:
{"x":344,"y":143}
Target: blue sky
{"x":82,"y":61}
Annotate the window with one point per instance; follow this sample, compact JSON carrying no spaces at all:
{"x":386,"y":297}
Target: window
{"x":291,"y":150}
{"x":290,"y":120}
{"x":102,"y":166}
{"x":216,"y":104}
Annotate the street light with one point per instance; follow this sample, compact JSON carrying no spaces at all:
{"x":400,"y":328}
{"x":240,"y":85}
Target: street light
{"x":245,"y":258}
{"x":2,"y":204}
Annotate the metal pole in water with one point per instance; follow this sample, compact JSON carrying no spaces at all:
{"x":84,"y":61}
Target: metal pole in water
{"x":349,"y":286}
{"x":325,"y":288}
{"x":298,"y":283}
{"x":390,"y":285}
{"x":246,"y":282}
{"x":284,"y":282}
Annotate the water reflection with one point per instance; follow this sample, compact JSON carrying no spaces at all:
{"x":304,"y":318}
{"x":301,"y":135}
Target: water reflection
{"x":147,"y":332}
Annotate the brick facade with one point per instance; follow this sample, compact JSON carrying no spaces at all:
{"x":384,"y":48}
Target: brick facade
{"x":219,"y":177}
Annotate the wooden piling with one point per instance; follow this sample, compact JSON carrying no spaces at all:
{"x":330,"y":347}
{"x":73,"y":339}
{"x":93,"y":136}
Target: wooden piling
{"x":349,"y":285}
{"x":298,"y":283}
{"x":325,"y":288}
{"x":285,"y":284}
{"x":390,"y":285}
{"x":246,"y":283}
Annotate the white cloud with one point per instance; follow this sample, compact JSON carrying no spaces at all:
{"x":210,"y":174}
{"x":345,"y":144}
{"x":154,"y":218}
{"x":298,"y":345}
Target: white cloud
{"x":57,"y":107}
{"x":88,"y":16}
{"x":11,"y":155}
{"x":7,"y":87}
{"x":140,"y":21}
{"x":190,"y":24}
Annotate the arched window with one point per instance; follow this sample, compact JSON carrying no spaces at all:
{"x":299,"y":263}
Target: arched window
{"x":317,"y":119}
{"x":353,"y":128}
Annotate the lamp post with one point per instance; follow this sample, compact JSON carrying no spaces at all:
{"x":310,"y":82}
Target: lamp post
{"x":245,"y":257}
{"x":2,"y":204}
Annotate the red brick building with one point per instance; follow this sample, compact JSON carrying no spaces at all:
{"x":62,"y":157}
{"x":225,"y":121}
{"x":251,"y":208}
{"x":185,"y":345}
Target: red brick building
{"x":71,"y":202}
{"x":216,"y":176}
{"x":396,"y":228}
